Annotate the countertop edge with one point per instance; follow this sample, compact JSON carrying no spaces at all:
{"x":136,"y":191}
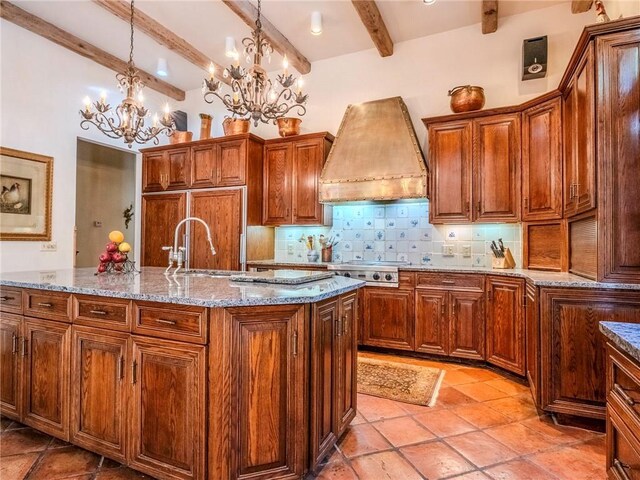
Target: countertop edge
{"x":608,"y":329}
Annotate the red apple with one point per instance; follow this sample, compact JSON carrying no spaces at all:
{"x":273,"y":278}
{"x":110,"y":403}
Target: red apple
{"x":105,"y":257}
{"x":112,"y":247}
{"x":117,"y":257}
{"x":102,"y":268}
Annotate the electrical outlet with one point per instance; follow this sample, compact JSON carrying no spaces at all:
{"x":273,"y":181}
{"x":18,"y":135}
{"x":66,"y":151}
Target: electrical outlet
{"x":448,"y":250}
{"x":466,"y":250}
{"x":48,"y":247}
{"x":289,"y":248}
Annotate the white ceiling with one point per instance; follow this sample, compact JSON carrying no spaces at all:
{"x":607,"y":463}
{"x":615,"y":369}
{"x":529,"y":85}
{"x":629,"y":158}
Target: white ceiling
{"x":206,"y":23}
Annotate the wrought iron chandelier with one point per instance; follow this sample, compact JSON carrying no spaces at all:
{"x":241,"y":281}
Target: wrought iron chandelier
{"x":253,"y":95}
{"x":127,"y":120}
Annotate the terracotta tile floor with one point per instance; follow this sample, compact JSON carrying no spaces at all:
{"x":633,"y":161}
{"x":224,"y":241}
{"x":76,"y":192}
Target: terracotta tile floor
{"x":484,"y":426}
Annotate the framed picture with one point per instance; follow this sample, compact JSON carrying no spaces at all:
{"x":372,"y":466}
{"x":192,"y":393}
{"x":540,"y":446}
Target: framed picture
{"x":25,"y":195}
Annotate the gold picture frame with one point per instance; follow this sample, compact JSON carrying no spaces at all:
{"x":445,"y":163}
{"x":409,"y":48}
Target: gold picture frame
{"x":25,"y":195}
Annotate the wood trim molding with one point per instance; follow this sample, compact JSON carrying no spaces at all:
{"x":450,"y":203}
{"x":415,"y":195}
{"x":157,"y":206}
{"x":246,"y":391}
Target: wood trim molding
{"x":34,"y":24}
{"x":248,"y":13}
{"x":489,"y":16}
{"x":162,"y":35}
{"x":374,"y":23}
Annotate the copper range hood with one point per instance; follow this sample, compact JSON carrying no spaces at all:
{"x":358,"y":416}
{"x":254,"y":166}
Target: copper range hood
{"x":375,"y":156}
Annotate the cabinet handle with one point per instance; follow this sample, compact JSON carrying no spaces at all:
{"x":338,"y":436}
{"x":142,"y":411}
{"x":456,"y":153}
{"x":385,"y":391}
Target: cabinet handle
{"x":442,"y":309}
{"x":478,"y":207}
{"x":490,"y":295}
{"x":625,"y":396}
{"x":620,"y":468}
{"x":449,"y":282}
{"x":339,"y":327}
{"x":294,"y":338}
{"x":134,"y":372}
{"x":466,"y":207}
{"x":168,"y":322}
{"x":120,"y":367}
{"x":5,"y":298}
{"x":526,"y":203}
{"x":45,"y":304}
{"x":576,"y":191}
{"x":98,"y":312}
{"x":24,"y":347}
{"x":344,"y":325}
{"x":14,"y":344}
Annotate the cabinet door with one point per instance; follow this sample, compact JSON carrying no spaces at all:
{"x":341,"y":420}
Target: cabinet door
{"x":466,"y":324}
{"x":46,"y":371}
{"x":222,"y":211}
{"x":168,"y":408}
{"x":160,"y":215}
{"x":450,"y":151}
{"x":10,"y":370}
{"x":179,"y":169}
{"x":232,"y":163}
{"x":496,"y":193}
{"x":388,"y":318}
{"x":346,"y":363}
{"x":155,"y":172}
{"x":99,"y":391}
{"x":619,"y":156}
{"x":505,"y":324}
{"x":278,"y":170}
{"x":542,"y":162}
{"x":204,"y":162}
{"x":431,"y":322}
{"x":532,"y":321}
{"x":308,"y":158}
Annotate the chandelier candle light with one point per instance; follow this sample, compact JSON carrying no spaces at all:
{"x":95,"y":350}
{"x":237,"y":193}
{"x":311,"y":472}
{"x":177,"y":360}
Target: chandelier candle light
{"x":253,"y":95}
{"x":127,"y":120}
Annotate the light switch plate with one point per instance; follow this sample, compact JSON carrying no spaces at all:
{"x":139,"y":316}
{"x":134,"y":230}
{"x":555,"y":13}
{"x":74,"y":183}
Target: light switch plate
{"x":448,"y":250}
{"x":49,"y":246}
{"x":466,"y":250}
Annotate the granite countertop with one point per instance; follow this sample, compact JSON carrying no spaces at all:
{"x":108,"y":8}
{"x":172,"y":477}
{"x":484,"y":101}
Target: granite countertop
{"x":625,"y":336}
{"x":539,"y":278}
{"x":202,"y":290}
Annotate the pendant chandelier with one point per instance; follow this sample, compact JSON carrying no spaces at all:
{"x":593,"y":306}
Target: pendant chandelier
{"x":127,"y":120}
{"x":253,"y":95}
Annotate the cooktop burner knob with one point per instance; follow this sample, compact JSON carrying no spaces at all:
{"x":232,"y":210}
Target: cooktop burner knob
{"x":388,"y":277}
{"x":347,"y":274}
{"x":376,"y":276}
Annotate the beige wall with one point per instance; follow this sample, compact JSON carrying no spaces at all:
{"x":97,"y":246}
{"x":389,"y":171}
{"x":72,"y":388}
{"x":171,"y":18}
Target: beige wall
{"x":105,"y":187}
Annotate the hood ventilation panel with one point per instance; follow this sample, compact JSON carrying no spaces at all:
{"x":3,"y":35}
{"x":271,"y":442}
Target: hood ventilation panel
{"x":375,"y":156}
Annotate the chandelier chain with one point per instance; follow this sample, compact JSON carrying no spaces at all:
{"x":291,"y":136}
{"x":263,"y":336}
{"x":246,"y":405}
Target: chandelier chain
{"x":131,"y":44}
{"x":258,"y":21}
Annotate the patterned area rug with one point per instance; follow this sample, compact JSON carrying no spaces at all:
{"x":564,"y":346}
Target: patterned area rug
{"x":399,"y":381}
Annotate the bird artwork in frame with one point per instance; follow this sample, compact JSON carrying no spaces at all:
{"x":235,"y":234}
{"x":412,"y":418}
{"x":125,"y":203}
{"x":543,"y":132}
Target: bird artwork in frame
{"x":25,"y":195}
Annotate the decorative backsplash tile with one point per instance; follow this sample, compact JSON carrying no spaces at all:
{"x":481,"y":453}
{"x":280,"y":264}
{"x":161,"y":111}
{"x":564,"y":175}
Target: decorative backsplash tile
{"x":402,"y":232}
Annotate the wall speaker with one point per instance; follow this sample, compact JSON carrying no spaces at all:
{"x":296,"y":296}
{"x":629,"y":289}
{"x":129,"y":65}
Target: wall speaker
{"x":180,"y":119}
{"x":534,"y":58}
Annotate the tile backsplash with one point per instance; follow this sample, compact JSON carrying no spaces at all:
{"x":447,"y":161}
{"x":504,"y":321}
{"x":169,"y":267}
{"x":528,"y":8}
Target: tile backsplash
{"x":400,"y":231}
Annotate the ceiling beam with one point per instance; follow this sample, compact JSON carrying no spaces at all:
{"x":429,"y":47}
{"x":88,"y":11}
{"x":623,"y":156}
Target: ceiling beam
{"x":374,"y":23}
{"x":581,"y":6}
{"x":248,"y":14}
{"x":489,"y":16}
{"x":36,"y":25}
{"x":162,"y":35}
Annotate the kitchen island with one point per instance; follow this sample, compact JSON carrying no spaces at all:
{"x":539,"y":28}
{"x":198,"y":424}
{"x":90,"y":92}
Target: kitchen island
{"x":192,"y":376}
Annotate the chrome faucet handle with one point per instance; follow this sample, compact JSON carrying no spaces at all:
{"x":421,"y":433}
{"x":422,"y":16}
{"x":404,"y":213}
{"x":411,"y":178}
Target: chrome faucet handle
{"x":167,"y":248}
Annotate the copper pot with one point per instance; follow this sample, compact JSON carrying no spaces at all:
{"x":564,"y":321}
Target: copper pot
{"x":288,"y":126}
{"x":466,"y":98}
{"x":180,"y":137}
{"x":235,"y":126}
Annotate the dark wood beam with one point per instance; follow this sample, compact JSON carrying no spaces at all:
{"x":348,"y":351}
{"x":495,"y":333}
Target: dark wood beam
{"x":581,"y":6}
{"x":374,"y":23}
{"x":248,"y":13}
{"x":489,"y":16}
{"x":24,"y":19}
{"x":162,"y":35}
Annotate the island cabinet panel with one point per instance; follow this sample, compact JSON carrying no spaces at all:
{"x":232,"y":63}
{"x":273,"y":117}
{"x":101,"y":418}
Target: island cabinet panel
{"x":431,"y":325}
{"x":168,"y":419}
{"x":505,"y":331}
{"x":166,"y":170}
{"x":347,"y":363}
{"x":496,"y":191}
{"x":278,"y":165}
{"x":573,"y":349}
{"x":46,"y":349}
{"x":466,"y":324}
{"x":160,"y":215}
{"x":450,"y":153}
{"x":542,"y":161}
{"x":257,"y":418}
{"x":10,"y":366}
{"x":99,"y":391}
{"x":532,"y":323}
{"x":388,"y":318}
{"x":618,"y":143}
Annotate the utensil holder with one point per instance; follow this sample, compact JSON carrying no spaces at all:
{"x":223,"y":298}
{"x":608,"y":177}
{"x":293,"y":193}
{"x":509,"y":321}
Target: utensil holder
{"x":506,"y":262}
{"x":327,"y":254}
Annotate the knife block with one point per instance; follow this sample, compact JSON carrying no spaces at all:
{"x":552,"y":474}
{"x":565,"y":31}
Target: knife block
{"x":506,"y":262}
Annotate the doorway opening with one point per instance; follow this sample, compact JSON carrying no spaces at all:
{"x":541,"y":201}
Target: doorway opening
{"x":105,"y":189}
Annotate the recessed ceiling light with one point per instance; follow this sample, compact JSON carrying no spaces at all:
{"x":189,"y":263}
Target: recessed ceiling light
{"x":163,"y":69}
{"x":428,"y":2}
{"x":230,"y":47}
{"x":316,"y":23}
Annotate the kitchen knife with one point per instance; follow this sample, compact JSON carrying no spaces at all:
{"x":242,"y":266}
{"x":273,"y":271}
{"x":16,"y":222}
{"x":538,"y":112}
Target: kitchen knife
{"x":501,"y":245}
{"x":495,"y":249}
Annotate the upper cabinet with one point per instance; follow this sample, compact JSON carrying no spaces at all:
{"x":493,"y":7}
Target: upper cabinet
{"x":166,"y":170}
{"x":292,"y":168}
{"x":542,"y":161}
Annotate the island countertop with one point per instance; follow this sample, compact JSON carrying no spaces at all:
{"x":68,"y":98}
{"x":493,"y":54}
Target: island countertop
{"x":625,"y":336}
{"x":152,"y":285}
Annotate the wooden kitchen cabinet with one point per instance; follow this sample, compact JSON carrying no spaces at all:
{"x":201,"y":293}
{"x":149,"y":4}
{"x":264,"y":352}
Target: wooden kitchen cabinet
{"x":167,"y":169}
{"x":168,"y":411}
{"x":160,"y":215}
{"x":10,"y":366}
{"x":532,"y":326}
{"x":466,"y":324}
{"x":388,"y":318}
{"x":542,"y":161}
{"x":431,"y":327}
{"x":292,"y":168}
{"x":99,"y":391}
{"x":579,"y":137}
{"x":225,"y":163}
{"x":505,"y":335}
{"x":347,"y":361}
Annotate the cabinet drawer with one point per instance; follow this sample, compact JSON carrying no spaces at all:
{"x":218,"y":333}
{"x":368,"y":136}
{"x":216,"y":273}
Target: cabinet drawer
{"x":188,"y":324}
{"x":10,"y":300}
{"x":623,"y":385}
{"x":623,"y":449}
{"x":406,"y":279}
{"x":451,"y":280}
{"x":109,"y":313}
{"x":47,"y":305}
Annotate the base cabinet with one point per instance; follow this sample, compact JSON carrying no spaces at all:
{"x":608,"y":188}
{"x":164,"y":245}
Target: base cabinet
{"x":388,"y":318}
{"x":10,"y":384}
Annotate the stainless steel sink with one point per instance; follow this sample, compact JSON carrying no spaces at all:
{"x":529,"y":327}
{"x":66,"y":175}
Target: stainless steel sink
{"x":207,"y":273}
